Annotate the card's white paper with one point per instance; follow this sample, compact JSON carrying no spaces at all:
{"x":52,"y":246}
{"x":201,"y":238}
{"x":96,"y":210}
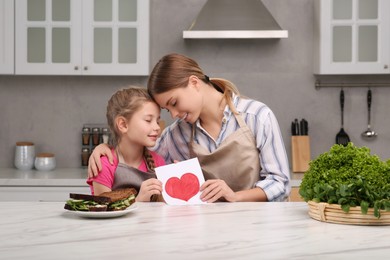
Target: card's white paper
{"x":181,"y":182}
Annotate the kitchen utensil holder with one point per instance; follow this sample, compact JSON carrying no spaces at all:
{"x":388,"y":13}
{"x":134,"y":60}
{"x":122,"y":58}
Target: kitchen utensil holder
{"x":300,"y":150}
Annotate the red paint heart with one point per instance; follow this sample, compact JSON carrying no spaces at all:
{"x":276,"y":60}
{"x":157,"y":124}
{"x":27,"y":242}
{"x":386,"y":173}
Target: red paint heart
{"x":184,"y":188}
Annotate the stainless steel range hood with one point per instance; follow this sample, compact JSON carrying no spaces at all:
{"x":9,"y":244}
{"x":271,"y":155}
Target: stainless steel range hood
{"x":234,"y":19}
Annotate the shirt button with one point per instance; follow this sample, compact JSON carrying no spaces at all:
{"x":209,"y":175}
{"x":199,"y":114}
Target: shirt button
{"x":224,"y":120}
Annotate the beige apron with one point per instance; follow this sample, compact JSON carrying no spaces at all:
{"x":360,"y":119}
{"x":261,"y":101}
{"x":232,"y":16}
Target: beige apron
{"x":127,"y":176}
{"x":236,"y":160}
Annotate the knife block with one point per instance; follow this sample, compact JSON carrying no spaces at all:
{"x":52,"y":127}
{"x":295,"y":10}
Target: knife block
{"x":300,"y":150}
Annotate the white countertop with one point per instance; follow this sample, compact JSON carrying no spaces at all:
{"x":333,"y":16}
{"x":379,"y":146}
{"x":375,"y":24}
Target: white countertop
{"x":66,"y":177}
{"x":44,"y":230}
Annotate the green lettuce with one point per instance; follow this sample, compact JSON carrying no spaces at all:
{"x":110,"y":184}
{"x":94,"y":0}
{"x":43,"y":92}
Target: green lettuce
{"x":349,"y":176}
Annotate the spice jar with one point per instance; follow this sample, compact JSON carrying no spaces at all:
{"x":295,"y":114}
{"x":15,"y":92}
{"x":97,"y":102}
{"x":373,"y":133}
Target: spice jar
{"x":95,"y":135}
{"x":86,"y":132}
{"x":84,"y":156}
{"x":105,"y":135}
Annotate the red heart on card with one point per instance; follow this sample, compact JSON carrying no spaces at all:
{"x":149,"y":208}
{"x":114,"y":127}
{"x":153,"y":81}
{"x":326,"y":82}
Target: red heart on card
{"x":184,"y":188}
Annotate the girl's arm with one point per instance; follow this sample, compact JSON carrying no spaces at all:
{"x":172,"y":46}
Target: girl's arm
{"x":99,"y":188}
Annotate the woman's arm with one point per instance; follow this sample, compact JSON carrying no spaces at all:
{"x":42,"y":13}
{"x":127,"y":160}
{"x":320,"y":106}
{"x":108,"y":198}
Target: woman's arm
{"x":94,"y":163}
{"x":214,"y":189}
{"x":275,"y":173}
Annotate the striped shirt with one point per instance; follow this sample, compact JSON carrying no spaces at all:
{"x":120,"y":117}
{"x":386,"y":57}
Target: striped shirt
{"x":274,"y":175}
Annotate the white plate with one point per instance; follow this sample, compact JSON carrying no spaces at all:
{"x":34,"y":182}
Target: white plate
{"x":103,"y":214}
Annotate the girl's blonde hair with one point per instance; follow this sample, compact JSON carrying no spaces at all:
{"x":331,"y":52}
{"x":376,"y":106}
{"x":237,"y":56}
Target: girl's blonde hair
{"x":173,"y":71}
{"x":125,"y":103}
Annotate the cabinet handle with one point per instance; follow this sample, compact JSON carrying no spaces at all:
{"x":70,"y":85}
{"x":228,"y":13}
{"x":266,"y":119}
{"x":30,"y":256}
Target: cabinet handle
{"x":386,"y":66}
{"x":76,"y":67}
{"x":86,"y":68}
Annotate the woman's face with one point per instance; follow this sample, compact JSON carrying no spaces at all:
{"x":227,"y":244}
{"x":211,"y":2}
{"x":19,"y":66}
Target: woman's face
{"x":143,"y":127}
{"x":184,"y":103}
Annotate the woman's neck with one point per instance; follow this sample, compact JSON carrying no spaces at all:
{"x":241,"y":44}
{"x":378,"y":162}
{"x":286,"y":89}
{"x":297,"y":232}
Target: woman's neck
{"x":132,"y":154}
{"x":212,"y":113}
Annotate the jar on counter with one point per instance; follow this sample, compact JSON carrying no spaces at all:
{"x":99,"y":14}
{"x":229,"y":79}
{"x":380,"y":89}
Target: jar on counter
{"x":84,"y":156}
{"x":24,"y":155}
{"x":86,"y":133}
{"x":45,"y":162}
{"x":95,"y":136}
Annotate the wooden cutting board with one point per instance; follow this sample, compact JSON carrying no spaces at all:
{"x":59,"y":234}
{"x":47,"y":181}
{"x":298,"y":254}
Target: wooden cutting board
{"x":300,"y":146}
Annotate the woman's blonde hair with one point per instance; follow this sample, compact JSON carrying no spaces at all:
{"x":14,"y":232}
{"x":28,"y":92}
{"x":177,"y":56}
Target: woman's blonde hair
{"x":125,"y":103}
{"x":173,"y":71}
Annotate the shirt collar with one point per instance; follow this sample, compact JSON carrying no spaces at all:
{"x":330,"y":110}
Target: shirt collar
{"x":227,"y":112}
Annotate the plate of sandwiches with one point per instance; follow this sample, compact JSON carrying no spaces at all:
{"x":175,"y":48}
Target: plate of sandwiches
{"x":107,"y":205}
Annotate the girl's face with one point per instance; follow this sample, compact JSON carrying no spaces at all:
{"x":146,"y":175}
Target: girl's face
{"x":184,"y":103}
{"x":143,"y":127}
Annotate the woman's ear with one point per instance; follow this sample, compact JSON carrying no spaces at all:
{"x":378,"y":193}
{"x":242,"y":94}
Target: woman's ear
{"x":194,"y":81}
{"x":121,"y":124}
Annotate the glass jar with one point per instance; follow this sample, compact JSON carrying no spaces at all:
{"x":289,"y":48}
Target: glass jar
{"x":95,"y":136}
{"x":86,"y":133}
{"x":84,"y":156}
{"x":105,"y":135}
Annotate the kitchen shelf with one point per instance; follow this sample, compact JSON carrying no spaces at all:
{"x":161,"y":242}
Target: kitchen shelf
{"x":318,"y":84}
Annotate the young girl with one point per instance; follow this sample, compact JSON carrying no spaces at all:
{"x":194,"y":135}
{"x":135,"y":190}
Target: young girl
{"x":237,"y":140}
{"x":133,"y":118}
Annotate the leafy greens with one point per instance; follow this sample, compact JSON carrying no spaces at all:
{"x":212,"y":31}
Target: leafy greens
{"x":349,"y":176}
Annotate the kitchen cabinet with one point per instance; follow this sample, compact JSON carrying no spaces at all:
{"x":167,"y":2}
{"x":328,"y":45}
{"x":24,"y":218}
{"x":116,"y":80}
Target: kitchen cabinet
{"x":351,"y":37}
{"x":89,"y":37}
{"x":40,"y":193}
{"x":34,"y":185}
{"x":7,"y":37}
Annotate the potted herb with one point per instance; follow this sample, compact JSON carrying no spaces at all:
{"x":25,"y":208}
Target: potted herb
{"x":352,"y":178}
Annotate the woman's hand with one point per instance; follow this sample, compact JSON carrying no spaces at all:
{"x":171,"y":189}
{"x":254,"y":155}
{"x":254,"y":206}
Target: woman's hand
{"x":94,"y":163}
{"x":214,"y":189}
{"x":149,"y":188}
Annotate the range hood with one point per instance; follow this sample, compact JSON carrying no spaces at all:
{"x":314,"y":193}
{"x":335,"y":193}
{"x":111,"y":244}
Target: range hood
{"x":234,"y":19}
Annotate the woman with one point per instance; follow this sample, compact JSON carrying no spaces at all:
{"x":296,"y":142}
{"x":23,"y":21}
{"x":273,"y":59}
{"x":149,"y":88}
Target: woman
{"x":237,"y":140}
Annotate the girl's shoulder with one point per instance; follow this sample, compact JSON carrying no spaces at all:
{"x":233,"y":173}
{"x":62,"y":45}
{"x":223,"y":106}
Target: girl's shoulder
{"x":158,"y":160}
{"x":105,"y":162}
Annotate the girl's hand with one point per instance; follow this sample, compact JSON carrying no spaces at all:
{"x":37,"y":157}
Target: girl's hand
{"x":94,"y":164}
{"x":148,"y":188}
{"x":214,"y":189}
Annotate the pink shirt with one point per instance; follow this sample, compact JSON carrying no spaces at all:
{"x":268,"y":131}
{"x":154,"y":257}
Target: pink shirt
{"x":106,"y":176}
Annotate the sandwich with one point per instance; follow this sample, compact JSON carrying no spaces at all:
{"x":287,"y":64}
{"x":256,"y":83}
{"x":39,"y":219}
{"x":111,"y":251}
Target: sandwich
{"x":107,"y":201}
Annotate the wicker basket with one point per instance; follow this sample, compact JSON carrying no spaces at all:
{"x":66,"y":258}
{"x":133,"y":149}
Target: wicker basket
{"x":333,"y":213}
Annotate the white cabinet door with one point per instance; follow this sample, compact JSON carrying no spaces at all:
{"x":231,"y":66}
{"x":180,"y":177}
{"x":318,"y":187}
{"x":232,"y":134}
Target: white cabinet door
{"x":116,"y":37}
{"x":48,"y":37}
{"x":352,"y":37}
{"x":89,"y":37}
{"x":7,"y":37}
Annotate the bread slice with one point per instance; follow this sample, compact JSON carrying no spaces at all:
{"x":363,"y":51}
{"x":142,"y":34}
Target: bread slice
{"x":121,"y":199}
{"x":117,"y":195}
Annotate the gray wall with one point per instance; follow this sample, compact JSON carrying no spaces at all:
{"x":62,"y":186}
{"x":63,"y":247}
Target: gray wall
{"x":50,"y":110}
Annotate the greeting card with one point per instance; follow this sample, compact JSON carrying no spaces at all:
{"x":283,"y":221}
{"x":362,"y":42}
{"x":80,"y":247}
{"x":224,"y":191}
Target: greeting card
{"x":181,"y":182}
